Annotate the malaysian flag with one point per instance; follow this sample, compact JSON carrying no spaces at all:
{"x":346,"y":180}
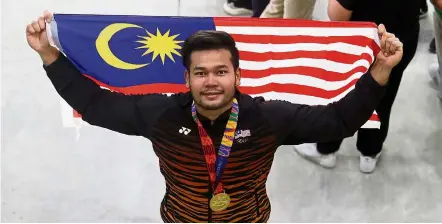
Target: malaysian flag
{"x":306,"y":62}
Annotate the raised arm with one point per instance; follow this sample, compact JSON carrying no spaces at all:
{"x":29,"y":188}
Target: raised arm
{"x":437,"y":3}
{"x":340,"y":10}
{"x":131,"y":115}
{"x":295,"y":124}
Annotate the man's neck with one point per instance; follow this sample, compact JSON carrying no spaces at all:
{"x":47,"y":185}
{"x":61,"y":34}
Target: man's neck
{"x":213,"y":114}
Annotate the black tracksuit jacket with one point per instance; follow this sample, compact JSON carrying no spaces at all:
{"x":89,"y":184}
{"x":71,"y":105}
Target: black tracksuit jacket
{"x":263,"y":126}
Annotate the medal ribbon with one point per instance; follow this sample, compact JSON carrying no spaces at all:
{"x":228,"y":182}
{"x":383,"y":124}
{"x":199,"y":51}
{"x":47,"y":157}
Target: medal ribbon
{"x":216,"y":164}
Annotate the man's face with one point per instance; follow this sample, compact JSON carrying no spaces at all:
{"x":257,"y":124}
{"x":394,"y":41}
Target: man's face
{"x":212,"y":78}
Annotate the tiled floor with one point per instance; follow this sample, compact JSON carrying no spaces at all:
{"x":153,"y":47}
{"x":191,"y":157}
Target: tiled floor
{"x":49,"y":176}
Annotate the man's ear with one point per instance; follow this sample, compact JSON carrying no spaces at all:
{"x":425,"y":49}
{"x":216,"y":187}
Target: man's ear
{"x":187,"y":78}
{"x":238,"y":77}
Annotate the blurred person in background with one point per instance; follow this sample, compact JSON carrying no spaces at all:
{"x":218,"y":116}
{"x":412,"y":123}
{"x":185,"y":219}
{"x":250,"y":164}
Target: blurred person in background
{"x":432,"y":46}
{"x":294,"y":9}
{"x":423,"y":9}
{"x":435,"y":73}
{"x":423,"y":13}
{"x":238,"y":7}
{"x":253,"y":8}
{"x":404,"y":23}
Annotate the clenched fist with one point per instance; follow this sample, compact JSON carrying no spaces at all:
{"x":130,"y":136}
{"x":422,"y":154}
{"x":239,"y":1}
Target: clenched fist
{"x":391,"y":48}
{"x":389,"y":56}
{"x":36,"y":36}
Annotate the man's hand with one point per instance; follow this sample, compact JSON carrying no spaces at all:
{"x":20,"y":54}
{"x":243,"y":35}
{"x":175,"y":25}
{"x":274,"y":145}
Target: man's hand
{"x":391,"y":48}
{"x":389,"y":56}
{"x":36,"y":36}
{"x":437,"y":3}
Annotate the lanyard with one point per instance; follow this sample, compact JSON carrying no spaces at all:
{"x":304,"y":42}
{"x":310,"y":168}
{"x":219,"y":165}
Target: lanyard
{"x":216,"y":164}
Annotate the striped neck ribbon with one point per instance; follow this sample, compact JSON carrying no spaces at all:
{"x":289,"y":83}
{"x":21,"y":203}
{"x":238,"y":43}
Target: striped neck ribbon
{"x":216,"y":163}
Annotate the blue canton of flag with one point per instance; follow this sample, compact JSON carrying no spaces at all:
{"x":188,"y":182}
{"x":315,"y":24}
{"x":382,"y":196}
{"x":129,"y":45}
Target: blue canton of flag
{"x":127,"y":51}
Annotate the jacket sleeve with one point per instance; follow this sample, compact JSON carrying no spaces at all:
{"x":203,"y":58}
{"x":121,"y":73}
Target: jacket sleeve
{"x":296,"y":124}
{"x":126,"y":114}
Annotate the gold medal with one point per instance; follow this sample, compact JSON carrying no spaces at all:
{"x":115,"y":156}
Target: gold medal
{"x":220,"y":202}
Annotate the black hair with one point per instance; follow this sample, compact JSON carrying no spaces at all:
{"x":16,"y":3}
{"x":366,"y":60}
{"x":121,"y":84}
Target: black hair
{"x":209,"y":40}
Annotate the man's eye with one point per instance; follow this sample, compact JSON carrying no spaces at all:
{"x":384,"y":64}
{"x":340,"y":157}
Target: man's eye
{"x":199,"y":73}
{"x":222,"y":72}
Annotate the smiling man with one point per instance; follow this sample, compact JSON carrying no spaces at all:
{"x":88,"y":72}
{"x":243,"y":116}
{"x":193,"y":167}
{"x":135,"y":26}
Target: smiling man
{"x":214,"y":75}
{"x":215,"y":145}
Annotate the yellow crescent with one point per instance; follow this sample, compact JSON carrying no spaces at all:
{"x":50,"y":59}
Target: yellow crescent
{"x":102,"y":45}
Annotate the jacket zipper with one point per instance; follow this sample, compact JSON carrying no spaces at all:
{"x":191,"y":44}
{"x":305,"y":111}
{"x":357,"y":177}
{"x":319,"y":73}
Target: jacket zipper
{"x":257,"y":202}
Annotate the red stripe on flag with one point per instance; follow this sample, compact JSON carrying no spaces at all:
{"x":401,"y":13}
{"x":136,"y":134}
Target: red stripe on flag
{"x":327,"y":55}
{"x":375,"y":117}
{"x":296,"y":89}
{"x":145,"y":88}
{"x":76,"y":114}
{"x":271,"y":87}
{"x":300,"y":70}
{"x":272,"y":22}
{"x":140,"y":89}
{"x":273,"y":39}
{"x":282,"y":88}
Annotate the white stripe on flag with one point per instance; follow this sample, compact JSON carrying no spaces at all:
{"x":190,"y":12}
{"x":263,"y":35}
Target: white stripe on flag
{"x":67,"y":115}
{"x":307,"y":62}
{"x":339,"y":47}
{"x":299,"y":80}
{"x":296,"y":31}
{"x":301,"y":99}
{"x":372,"y":124}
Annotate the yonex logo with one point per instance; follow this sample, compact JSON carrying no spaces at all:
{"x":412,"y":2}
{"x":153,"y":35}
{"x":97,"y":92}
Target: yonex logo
{"x":184,"y":130}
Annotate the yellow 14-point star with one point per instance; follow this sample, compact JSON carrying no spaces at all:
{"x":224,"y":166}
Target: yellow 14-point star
{"x":160,"y":44}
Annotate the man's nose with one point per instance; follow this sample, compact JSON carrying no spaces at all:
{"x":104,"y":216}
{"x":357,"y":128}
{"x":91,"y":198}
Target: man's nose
{"x":211,"y":80}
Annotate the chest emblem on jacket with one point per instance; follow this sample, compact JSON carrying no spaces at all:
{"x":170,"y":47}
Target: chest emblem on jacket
{"x":241,"y":136}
